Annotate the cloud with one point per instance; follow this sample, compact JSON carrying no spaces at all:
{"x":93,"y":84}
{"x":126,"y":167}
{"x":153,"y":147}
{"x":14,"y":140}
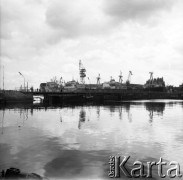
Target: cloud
{"x":135,"y":9}
{"x":23,"y":31}
{"x":70,"y":19}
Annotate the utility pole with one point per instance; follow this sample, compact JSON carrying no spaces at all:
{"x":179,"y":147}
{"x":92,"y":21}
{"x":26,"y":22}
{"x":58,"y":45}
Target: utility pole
{"x":27,"y":86}
{"x":3,"y":78}
{"x":0,"y":74}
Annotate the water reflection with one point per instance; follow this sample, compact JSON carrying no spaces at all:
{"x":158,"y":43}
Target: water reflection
{"x":60,"y":116}
{"x":120,"y":112}
{"x":76,"y":141}
{"x":82,"y":118}
{"x":26,"y":110}
{"x":2,"y":121}
{"x":157,"y":108}
{"x":98,"y":112}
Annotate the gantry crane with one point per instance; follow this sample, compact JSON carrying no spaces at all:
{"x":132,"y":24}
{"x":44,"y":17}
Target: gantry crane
{"x":120,"y":77}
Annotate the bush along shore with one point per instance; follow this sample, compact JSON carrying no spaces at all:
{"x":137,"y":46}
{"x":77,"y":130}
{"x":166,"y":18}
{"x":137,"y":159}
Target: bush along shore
{"x":14,"y":96}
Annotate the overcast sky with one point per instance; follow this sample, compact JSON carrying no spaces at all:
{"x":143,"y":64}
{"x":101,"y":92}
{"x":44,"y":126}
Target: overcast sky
{"x":43,"y":38}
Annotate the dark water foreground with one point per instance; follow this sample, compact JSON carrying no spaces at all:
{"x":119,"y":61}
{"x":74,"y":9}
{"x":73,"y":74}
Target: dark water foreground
{"x":76,"y":141}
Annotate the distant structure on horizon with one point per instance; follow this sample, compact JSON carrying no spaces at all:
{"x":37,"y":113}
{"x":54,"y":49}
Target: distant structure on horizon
{"x":71,"y":86}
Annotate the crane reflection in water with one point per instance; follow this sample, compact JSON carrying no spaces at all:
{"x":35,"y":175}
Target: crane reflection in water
{"x":3,"y":114}
{"x":157,"y":108}
{"x":23,"y":116}
{"x":98,"y":112}
{"x":154,"y":108}
{"x":82,"y":117}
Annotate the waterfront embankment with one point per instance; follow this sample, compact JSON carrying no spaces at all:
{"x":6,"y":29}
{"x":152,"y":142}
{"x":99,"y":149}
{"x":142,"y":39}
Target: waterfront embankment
{"x":14,"y":96}
{"x":101,"y":96}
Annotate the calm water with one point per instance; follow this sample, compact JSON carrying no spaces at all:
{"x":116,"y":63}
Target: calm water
{"x":76,"y":142}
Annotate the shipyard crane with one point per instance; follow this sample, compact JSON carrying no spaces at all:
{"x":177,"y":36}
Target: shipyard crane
{"x":98,"y":79}
{"x":129,"y":77}
{"x":151,"y":78}
{"x":120,"y":77}
{"x":61,"y":81}
{"x":82,"y":72}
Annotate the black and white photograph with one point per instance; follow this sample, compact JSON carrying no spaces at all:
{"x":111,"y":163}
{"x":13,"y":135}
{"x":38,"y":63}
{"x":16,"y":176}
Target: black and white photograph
{"x":91,"y":89}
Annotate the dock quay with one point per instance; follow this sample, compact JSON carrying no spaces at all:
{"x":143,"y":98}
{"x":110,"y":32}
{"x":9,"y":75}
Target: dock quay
{"x":11,"y":96}
{"x":102,"y":95}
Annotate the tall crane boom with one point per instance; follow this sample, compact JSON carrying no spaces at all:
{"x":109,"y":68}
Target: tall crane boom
{"x":129,"y":77}
{"x":151,"y":78}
